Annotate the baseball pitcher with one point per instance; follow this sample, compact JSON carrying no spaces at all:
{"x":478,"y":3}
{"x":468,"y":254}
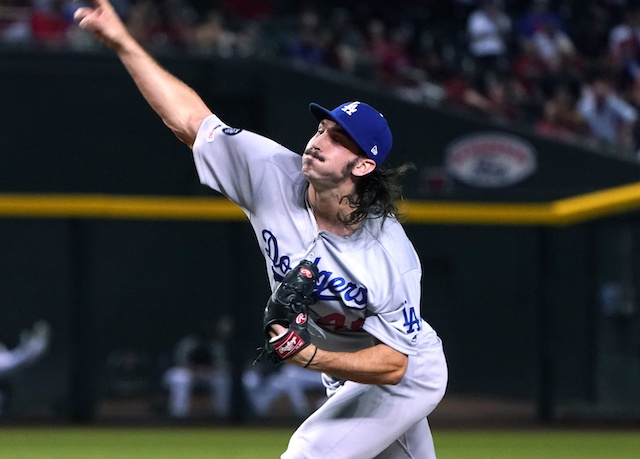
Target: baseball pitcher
{"x":346,"y":280}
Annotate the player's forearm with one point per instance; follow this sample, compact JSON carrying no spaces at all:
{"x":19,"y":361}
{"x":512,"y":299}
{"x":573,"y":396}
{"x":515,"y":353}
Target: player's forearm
{"x":379,"y":364}
{"x":179,"y":106}
{"x":181,"y":109}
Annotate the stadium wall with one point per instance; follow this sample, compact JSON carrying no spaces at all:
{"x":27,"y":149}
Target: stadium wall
{"x":515,"y":305}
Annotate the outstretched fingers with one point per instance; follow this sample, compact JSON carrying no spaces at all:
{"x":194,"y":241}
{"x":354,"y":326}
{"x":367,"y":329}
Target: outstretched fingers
{"x":102,"y":21}
{"x":82,"y":13}
{"x":97,"y":8}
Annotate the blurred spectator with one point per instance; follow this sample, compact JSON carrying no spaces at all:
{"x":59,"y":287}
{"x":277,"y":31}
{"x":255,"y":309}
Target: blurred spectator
{"x":503,"y":97}
{"x":538,"y":15}
{"x":611,"y":119}
{"x":145,"y":24}
{"x":397,"y":67}
{"x":553,"y":46}
{"x":345,"y":43}
{"x":461,"y":92}
{"x":624,"y":39}
{"x":15,"y":22}
{"x":247,"y":39}
{"x":462,"y":44}
{"x":428,"y":58}
{"x":49,"y":25}
{"x":494,"y":96}
{"x":528,"y":70}
{"x":387,"y":50}
{"x":210,"y":36}
{"x":179,"y":19}
{"x":624,"y":49}
{"x":560,"y":118}
{"x":265,"y":384}
{"x":489,"y":30}
{"x":306,"y":46}
{"x":33,"y":345}
{"x":201,"y":361}
{"x":563,"y":65}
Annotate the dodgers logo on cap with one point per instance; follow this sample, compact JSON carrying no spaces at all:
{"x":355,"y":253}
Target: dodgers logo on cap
{"x":364,"y":124}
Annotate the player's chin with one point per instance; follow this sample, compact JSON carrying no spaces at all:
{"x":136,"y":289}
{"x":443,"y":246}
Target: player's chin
{"x":307,"y":170}
{"x":310,"y":171}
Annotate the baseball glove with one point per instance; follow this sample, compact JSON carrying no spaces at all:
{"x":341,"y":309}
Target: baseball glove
{"x":287,"y":306}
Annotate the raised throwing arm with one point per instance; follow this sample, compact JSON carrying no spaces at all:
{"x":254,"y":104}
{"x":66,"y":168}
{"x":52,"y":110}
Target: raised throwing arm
{"x":179,"y":106}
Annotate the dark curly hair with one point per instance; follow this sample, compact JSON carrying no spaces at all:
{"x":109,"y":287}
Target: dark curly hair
{"x":375,"y":195}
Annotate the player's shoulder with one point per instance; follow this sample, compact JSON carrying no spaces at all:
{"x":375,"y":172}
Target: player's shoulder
{"x":387,"y":230}
{"x":215,"y":135}
{"x":393,"y":240}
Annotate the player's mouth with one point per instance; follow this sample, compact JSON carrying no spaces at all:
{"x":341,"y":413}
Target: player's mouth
{"x":314,"y":154}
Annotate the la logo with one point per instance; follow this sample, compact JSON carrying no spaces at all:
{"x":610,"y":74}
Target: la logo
{"x":351,"y":108}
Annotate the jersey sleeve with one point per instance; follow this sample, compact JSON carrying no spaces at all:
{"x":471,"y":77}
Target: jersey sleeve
{"x":232,"y":161}
{"x":399,"y":323}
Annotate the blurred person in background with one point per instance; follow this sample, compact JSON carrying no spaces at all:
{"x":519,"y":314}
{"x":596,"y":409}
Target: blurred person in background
{"x":553,"y":46}
{"x":210,"y":36}
{"x":49,"y":25}
{"x":201,"y":361}
{"x":502,"y":99}
{"x":33,"y":345}
{"x":560,"y":118}
{"x":179,"y":18}
{"x":15,"y":22}
{"x":624,"y":41}
{"x":489,"y":31}
{"x":144,"y":22}
{"x":537,"y":16}
{"x":528,"y":70}
{"x":388,"y":51}
{"x":306,"y":46}
{"x":611,"y":120}
{"x":265,"y":385}
{"x":345,"y":48}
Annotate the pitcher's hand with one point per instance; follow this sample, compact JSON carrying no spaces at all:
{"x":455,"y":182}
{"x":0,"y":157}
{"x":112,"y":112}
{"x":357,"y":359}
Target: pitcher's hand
{"x":103,"y":22}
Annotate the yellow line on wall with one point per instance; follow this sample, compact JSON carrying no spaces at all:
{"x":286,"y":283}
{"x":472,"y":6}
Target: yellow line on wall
{"x":591,"y":206}
{"x":566,"y":211}
{"x":124,"y":207}
{"x":477,"y":213}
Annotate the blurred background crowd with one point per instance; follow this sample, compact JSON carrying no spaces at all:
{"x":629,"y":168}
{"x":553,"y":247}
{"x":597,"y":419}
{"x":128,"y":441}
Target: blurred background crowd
{"x":566,"y":69}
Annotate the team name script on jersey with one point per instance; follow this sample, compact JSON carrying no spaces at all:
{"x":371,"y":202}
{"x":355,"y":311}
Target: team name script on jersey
{"x":329,"y":286}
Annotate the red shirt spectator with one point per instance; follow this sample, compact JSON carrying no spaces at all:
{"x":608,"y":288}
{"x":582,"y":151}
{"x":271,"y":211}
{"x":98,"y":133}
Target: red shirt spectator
{"x":48,"y":25}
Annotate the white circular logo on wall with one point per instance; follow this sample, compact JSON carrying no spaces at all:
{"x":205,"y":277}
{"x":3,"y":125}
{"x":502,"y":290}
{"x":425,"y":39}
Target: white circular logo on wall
{"x":490,"y":160}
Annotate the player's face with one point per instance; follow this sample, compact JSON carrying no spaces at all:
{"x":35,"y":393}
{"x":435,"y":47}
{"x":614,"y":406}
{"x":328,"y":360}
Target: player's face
{"x":331,"y":155}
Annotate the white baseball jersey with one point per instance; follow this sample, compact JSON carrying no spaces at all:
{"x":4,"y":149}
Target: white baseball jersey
{"x":369,"y":287}
{"x":369,"y":283}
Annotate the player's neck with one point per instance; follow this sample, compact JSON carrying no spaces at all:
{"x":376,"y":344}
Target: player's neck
{"x":326,"y":206}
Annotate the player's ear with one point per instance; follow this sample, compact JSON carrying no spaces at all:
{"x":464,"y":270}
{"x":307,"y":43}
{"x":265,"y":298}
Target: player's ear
{"x":363,"y":167}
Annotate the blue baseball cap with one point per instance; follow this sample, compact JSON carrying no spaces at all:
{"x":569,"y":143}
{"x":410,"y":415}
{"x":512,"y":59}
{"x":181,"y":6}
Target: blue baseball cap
{"x":364,"y":124}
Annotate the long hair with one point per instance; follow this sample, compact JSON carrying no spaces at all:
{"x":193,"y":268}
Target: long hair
{"x":375,"y":195}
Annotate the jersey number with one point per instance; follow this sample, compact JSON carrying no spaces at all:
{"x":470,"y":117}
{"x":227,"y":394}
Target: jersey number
{"x":338,"y":321}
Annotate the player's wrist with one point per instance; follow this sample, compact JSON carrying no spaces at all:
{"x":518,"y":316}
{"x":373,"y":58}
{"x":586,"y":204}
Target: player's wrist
{"x":312,"y":358}
{"x":305,"y":357}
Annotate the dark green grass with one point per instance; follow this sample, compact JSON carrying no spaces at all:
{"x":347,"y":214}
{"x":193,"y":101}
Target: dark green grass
{"x":216,"y":443}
